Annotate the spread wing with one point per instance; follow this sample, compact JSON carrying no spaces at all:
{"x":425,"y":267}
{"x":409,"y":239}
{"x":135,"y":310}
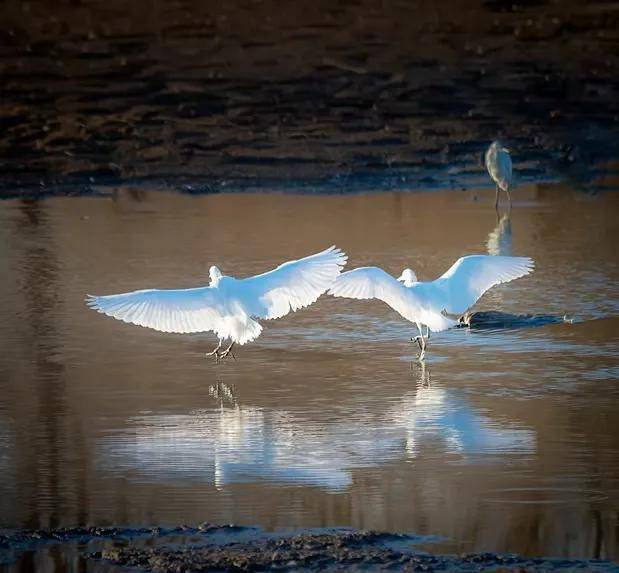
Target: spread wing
{"x":292,"y":285}
{"x":181,"y":311}
{"x":372,"y":282}
{"x":470,"y":277}
{"x":410,"y":302}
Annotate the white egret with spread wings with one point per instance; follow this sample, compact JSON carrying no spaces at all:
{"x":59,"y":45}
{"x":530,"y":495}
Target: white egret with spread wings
{"x":436,"y":304}
{"x":228,"y":306}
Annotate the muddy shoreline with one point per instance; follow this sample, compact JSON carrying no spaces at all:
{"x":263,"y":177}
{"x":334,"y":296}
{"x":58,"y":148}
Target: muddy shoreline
{"x":352,"y":96}
{"x":210,"y":547}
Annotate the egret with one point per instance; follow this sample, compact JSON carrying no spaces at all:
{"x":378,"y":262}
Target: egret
{"x":437,"y":304}
{"x":228,"y":306}
{"x":499,"y":166}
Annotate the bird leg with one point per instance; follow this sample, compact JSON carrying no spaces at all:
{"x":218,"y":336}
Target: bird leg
{"x":228,"y":351}
{"x":421,"y":341}
{"x":416,"y":339}
{"x":496,"y":200}
{"x":509,"y":210}
{"x":423,"y":345}
{"x":215,"y":352}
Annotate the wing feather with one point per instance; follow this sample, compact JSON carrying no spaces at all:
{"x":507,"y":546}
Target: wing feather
{"x":470,"y":277}
{"x":373,"y":282}
{"x":292,"y":285}
{"x":180,"y":310}
{"x":456,"y":291}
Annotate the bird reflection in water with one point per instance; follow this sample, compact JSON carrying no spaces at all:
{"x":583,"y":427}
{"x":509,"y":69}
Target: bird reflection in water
{"x":499,"y":243}
{"x":434,"y":413}
{"x":233,"y":443}
{"x":224,"y":394}
{"x":500,"y":238}
{"x":128,"y":195}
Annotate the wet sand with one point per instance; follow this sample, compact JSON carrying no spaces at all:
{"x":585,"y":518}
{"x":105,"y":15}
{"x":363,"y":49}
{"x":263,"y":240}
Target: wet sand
{"x":231,"y":548}
{"x":337,"y":97}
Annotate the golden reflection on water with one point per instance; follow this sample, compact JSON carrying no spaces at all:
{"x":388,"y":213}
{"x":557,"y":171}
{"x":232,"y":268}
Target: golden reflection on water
{"x":504,"y":440}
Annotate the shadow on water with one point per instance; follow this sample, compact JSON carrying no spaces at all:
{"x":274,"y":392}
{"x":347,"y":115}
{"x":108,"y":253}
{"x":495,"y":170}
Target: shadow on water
{"x":496,"y":320}
{"x":49,"y":458}
{"x":40,"y":290}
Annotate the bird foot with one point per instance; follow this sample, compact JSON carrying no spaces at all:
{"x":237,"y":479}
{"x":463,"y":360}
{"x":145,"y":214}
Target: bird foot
{"x":226,"y":353}
{"x":420,"y":341}
{"x":214,"y":353}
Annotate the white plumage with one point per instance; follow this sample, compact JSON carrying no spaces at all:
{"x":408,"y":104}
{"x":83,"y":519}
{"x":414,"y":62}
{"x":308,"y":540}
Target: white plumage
{"x":431,"y":303}
{"x":499,"y":166}
{"x":228,"y":306}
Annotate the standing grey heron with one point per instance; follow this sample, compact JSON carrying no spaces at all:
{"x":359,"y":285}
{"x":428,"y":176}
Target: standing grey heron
{"x":499,"y":166}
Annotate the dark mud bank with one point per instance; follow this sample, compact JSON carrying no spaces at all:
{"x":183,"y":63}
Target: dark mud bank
{"x":332,"y":97}
{"x":233,"y":548}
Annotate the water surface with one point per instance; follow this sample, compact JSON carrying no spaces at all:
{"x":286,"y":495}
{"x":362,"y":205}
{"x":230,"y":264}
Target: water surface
{"x":505,"y":440}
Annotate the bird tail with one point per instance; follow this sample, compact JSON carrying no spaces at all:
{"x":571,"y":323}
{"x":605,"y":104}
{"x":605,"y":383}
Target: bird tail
{"x":252,"y":331}
{"x":435,"y":321}
{"x":239,"y":329}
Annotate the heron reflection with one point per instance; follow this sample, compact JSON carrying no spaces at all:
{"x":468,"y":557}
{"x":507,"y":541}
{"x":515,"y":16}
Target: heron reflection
{"x":232,"y":443}
{"x":500,"y":238}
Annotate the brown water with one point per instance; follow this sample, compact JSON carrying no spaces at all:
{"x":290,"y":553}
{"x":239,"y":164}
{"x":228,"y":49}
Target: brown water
{"x":504,"y":440}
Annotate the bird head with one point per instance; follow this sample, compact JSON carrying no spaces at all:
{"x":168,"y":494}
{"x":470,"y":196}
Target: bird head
{"x":215,"y":274}
{"x":408,"y":277}
{"x":498,"y":146}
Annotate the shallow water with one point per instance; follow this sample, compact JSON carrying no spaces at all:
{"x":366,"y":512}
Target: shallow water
{"x":504,"y":440}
